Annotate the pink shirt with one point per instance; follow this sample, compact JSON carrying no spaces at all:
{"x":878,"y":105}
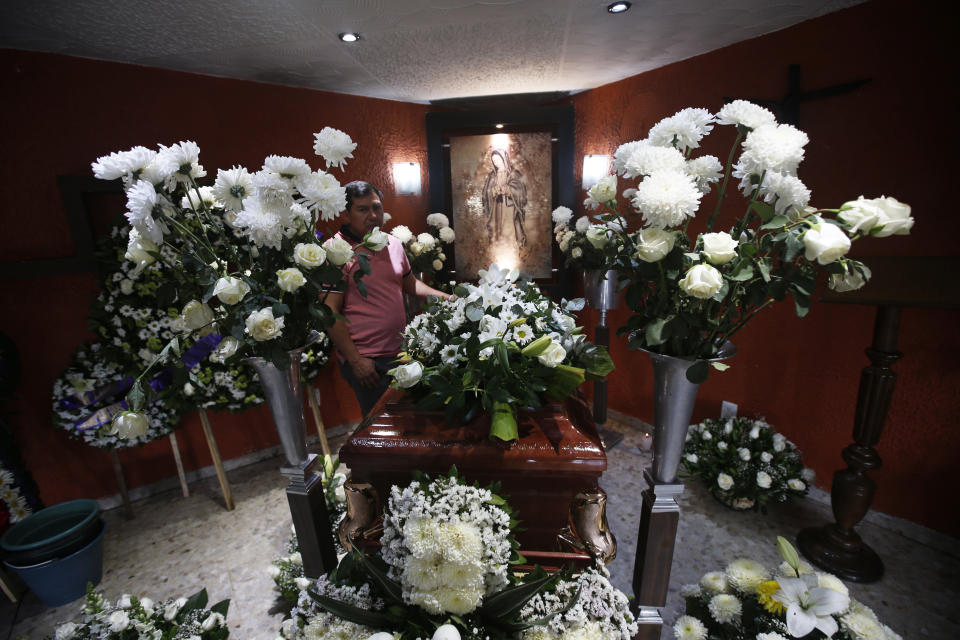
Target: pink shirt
{"x":376,"y":321}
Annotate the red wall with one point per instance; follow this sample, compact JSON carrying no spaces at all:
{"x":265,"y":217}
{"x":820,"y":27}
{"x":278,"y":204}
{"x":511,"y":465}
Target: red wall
{"x":893,"y":136}
{"x":60,"y":114}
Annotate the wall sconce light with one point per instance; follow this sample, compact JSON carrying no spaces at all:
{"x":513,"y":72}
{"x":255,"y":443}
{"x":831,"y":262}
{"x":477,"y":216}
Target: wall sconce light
{"x":406,"y":178}
{"x":594,"y":168}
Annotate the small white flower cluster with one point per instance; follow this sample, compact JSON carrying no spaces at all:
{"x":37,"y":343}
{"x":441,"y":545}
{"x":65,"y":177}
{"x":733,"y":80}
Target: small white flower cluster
{"x":591,"y":244}
{"x":425,"y":250}
{"x":447,"y":544}
{"x":601,"y":612}
{"x":14,"y":502}
{"x":308,"y":621}
{"x":745,"y":462}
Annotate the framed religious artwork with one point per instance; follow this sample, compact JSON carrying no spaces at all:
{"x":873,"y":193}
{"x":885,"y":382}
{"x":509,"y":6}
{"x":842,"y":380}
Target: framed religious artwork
{"x":499,"y":174}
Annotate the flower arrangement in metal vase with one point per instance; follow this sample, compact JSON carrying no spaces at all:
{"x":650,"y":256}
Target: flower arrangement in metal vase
{"x":745,"y":463}
{"x":249,"y":264}
{"x":747,"y":600}
{"x":691,"y":293}
{"x":590,"y":245}
{"x":445,"y":570}
{"x":496,"y":346}
{"x":425,"y":251}
{"x":133,"y":617}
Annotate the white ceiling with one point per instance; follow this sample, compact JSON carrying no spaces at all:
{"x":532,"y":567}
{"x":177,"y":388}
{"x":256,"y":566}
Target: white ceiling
{"x":411,"y":50}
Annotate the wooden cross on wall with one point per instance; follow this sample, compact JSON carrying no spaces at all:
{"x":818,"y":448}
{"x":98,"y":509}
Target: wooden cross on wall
{"x":788,"y":106}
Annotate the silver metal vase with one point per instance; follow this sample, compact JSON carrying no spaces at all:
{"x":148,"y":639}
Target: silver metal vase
{"x":282,"y":390}
{"x":673,"y":400}
{"x":600,"y":288}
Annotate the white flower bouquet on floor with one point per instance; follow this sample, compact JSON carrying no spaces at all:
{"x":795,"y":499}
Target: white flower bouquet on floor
{"x":133,"y":617}
{"x":425,"y":251}
{"x":445,"y":571}
{"x":744,"y":462}
{"x":747,"y":600}
{"x":691,"y":293}
{"x":496,"y":347}
{"x":248,"y":263}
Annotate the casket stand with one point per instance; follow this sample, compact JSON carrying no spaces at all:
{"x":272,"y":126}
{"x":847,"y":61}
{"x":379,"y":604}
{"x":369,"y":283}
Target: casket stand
{"x":549,"y":475}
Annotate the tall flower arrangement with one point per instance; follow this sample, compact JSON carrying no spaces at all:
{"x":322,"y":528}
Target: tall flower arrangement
{"x":590,"y":244}
{"x":248,"y":263}
{"x":496,"y":347}
{"x":690,"y":293}
{"x":425,"y":251}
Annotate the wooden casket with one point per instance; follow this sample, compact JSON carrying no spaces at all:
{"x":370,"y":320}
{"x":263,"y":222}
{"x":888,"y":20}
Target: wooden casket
{"x":549,"y":475}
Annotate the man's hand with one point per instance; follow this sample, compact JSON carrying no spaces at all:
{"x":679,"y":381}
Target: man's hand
{"x":365,"y":371}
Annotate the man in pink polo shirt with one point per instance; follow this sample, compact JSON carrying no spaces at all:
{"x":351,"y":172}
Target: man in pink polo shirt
{"x":369,"y":342}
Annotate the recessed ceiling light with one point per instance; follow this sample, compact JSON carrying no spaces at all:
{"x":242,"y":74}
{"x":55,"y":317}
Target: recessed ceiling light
{"x":349,"y":37}
{"x":618,"y":7}
{"x":499,"y":126}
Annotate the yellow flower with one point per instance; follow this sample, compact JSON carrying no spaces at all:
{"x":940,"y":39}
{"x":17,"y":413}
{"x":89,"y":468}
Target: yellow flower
{"x":765,"y":591}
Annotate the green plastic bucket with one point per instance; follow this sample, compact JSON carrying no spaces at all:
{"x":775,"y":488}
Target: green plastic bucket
{"x":55,"y":532}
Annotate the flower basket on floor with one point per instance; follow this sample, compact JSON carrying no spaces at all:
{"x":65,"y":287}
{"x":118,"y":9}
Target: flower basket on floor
{"x":748,"y":600}
{"x":745,"y":463}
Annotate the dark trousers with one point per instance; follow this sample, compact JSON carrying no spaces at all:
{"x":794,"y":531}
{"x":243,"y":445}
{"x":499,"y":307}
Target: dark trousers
{"x":368,"y":396}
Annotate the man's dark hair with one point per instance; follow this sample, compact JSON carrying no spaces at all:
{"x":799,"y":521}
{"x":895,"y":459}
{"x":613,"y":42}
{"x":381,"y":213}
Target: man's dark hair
{"x":360,"y":189}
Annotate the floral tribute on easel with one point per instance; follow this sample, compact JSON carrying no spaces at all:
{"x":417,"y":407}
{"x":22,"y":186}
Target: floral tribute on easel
{"x":446,"y":570}
{"x":497,"y":347}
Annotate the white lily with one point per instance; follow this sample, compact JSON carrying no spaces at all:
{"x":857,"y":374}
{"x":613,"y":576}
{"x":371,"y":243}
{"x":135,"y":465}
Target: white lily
{"x":809,"y":606}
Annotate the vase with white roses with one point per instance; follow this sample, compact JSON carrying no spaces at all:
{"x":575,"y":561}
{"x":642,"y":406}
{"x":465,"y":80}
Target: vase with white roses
{"x":249,"y":265}
{"x":426,"y":251}
{"x":589,"y":245}
{"x":496,"y":347}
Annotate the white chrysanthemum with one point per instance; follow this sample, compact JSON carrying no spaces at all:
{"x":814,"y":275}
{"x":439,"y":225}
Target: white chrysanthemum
{"x":714,"y":582}
{"x":447,"y":234}
{"x":582,"y":224}
{"x":744,"y":574}
{"x":705,"y":170}
{"x":683,"y":130}
{"x":649,"y":159}
{"x":459,"y":601}
{"x":207,"y":197}
{"x":770,"y":635}
{"x":402,"y":233}
{"x":786,"y":193}
{"x":422,"y":573}
{"x":461,"y":542}
{"x":232,"y":187}
{"x":830,"y":581}
{"x":562,"y":215}
{"x":286,"y":166}
{"x":426,"y":240}
{"x":458,"y":575}
{"x":181,"y":161}
{"x":334,"y":146}
{"x":861,"y":626}
{"x":772,"y":148}
{"x":142,"y":200}
{"x":623,"y":153}
{"x":449,"y":353}
{"x":272,"y":188}
{"x":725,"y":608}
{"x":261,"y":224}
{"x":321,"y":191}
{"x":124,"y":164}
{"x":689,"y":628}
{"x":742,"y":112}
{"x":667,"y":198}
{"x":438,"y":220}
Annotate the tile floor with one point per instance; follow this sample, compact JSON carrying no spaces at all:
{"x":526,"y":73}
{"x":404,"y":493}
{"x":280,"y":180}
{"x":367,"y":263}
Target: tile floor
{"x":175,"y":545}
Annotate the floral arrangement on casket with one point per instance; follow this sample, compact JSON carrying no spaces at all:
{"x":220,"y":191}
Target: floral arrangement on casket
{"x":496,"y":346}
{"x":590,"y":245}
{"x":444,"y":571}
{"x":689,"y":294}
{"x":425,"y":250}
{"x":249,"y":265}
{"x":746,"y":600}
{"x":745,"y":463}
{"x":133,"y":617}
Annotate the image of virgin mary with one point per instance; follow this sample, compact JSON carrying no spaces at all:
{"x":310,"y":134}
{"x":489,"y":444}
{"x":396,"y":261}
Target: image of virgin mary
{"x":503,"y":190}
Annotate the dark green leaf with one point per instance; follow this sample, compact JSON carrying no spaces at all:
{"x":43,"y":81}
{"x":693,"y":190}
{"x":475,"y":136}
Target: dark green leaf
{"x":776,"y":222}
{"x":505,"y":603}
{"x":221,"y":607}
{"x":196,"y":601}
{"x":763,"y":265}
{"x":655,"y":332}
{"x":762,"y":209}
{"x":136,"y":398}
{"x":353,"y":614}
{"x":794,"y":247}
{"x":474,"y":312}
{"x":698,"y":371}
{"x":390,"y":588}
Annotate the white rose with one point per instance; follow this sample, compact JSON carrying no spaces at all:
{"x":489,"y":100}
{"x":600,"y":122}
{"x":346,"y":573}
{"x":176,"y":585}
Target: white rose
{"x":261,"y":325}
{"x":230,"y":290}
{"x":124,"y":602}
{"x":407,"y":375}
{"x":692,"y":458}
{"x":850,"y":280}
{"x":309,"y":255}
{"x":447,"y":234}
{"x":66,"y":631}
{"x":126,"y":286}
{"x":653,"y":244}
{"x":128,"y":425}
{"x":562,"y":215}
{"x":605,"y":189}
{"x":340,"y":494}
{"x":724,"y":481}
{"x":426,"y":240}
{"x":188,"y":389}
{"x":171,"y":610}
{"x":583,"y":223}
{"x":719,"y":248}
{"x":381,"y":635}
{"x":722,"y":445}
{"x":118,"y":621}
{"x":728,"y":427}
{"x":139,"y":249}
{"x":291,"y":279}
{"x":894,"y":218}
{"x":796,"y":484}
{"x":766,"y":456}
{"x":744,"y":453}
{"x":860,"y":215}
{"x":826,"y":244}
{"x":296,"y":558}
{"x":213,"y":621}
{"x":701,"y":281}
{"x":338,"y":251}
{"x":597,"y":236}
{"x":707,"y":435}
{"x":755,"y":433}
{"x":764,"y":480}
{"x":377,"y":239}
{"x":303,"y":583}
{"x":402,"y":233}
{"x":273,"y":571}
{"x":437,"y":265}
{"x":227,"y":347}
{"x":553,"y":354}
{"x":576,"y":252}
{"x":446,"y":632}
{"x":197,"y":315}
{"x":779,"y":442}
